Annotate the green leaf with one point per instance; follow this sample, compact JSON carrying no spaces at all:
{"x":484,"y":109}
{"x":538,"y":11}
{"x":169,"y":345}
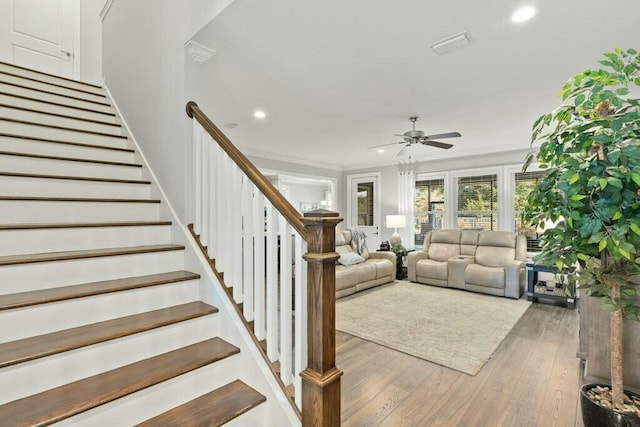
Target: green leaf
{"x":635,"y":177}
{"x":578,"y":197}
{"x":574,"y":178}
{"x":579,"y":100}
{"x":603,"y":183}
{"x":559,"y":264}
{"x":635,"y":228}
{"x":617,"y":215}
{"x":616,"y":182}
{"x":602,"y":245}
{"x":623,"y":90}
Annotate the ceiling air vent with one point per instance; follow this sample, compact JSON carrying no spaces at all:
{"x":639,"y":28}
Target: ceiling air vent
{"x":450,"y":43}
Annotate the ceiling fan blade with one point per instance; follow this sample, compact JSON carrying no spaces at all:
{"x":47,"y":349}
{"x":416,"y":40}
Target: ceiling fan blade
{"x":437,"y":144}
{"x":384,"y":145}
{"x":404,"y":150}
{"x":444,"y":135}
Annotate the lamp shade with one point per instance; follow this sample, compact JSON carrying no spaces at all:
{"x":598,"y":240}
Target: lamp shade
{"x":396,"y":221}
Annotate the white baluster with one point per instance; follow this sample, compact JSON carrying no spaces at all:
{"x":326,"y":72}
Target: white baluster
{"x":220,"y":209}
{"x":234,"y":230}
{"x":206,"y":182}
{"x":300,"y":316}
{"x":259,"y":265}
{"x":285,"y":303}
{"x":197,"y":170}
{"x":248,"y":260}
{"x":272,"y":283}
{"x":212,"y":249}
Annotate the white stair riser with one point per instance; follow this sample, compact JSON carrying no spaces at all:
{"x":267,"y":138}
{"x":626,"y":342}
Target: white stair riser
{"x":255,"y":417}
{"x":25,"y":212}
{"x":51,"y":79}
{"x":24,"y":129}
{"x":83,"y":311}
{"x":30,"y":146}
{"x":9,"y":163}
{"x":44,"y":118}
{"x":55,"y":98}
{"x":56,"y":109}
{"x":155,"y":400}
{"x":52,"y":371}
{"x":29,"y":277}
{"x":83,"y":238}
{"x":23,"y":186}
{"x":52,"y":88}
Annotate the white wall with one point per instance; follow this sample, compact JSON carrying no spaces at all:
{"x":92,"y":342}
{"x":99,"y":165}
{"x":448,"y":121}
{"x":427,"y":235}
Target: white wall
{"x":91,"y":41}
{"x":144,"y":68}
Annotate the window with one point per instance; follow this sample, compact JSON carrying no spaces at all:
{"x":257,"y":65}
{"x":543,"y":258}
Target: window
{"x":478,"y":202}
{"x":429,"y":207}
{"x":525,"y":182}
{"x":365,"y":203}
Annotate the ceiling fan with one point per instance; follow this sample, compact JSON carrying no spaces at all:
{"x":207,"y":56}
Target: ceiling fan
{"x":414,"y":136}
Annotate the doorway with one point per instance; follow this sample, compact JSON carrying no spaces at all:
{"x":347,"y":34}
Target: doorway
{"x":363,"y":211}
{"x":42,"y":35}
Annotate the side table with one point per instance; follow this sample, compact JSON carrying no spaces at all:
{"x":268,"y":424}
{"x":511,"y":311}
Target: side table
{"x":558,"y":294}
{"x":401,"y":269}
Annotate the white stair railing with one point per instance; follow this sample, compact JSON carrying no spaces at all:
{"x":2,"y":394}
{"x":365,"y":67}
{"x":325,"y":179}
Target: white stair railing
{"x":280,"y":265}
{"x":258,"y":252}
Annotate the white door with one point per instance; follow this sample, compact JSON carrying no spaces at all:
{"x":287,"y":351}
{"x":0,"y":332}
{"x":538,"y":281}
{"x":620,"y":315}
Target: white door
{"x":364,"y":206}
{"x":40,"y":34}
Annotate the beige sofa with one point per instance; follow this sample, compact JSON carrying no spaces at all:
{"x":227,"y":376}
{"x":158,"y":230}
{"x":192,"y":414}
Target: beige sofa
{"x":376,"y":269}
{"x":490,"y":262}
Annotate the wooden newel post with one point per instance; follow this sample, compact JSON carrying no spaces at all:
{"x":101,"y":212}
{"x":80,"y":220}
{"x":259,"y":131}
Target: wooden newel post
{"x":321,"y":378}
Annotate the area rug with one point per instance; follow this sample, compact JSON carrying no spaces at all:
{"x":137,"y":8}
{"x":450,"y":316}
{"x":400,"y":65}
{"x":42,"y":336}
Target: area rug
{"x":453,"y":328}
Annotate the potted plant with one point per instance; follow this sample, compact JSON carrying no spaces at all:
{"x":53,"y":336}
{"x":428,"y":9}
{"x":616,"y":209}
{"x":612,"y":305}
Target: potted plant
{"x":590,"y":151}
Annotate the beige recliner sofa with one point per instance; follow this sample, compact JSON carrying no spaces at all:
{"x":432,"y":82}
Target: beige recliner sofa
{"x":490,"y":262}
{"x":376,"y":269}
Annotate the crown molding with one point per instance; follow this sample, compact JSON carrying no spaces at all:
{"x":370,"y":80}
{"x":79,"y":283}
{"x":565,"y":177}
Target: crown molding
{"x":105,"y":9}
{"x":199,"y":52}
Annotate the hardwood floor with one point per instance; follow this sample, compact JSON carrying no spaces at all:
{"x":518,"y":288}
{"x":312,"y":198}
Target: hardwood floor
{"x":533,"y":379}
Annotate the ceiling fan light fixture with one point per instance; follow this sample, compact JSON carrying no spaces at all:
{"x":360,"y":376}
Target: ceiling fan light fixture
{"x":451,"y":43}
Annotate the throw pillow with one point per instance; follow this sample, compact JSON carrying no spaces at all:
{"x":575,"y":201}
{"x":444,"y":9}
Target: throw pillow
{"x":340,"y":238}
{"x":350,"y":258}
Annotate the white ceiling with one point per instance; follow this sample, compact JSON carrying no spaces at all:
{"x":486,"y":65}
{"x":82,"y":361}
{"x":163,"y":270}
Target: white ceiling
{"x":338,"y":76}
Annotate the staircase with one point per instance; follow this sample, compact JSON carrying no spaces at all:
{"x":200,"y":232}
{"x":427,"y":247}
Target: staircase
{"x":100,"y":321}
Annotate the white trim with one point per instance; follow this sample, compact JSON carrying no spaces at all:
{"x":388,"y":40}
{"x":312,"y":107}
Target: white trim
{"x":377,"y":200}
{"x":106,"y":7}
{"x":249,"y":152}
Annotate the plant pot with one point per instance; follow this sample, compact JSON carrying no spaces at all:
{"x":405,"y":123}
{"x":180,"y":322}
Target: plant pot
{"x":594,"y":415}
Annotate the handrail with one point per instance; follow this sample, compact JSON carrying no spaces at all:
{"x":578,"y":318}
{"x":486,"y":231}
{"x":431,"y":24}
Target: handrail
{"x":271,"y":193}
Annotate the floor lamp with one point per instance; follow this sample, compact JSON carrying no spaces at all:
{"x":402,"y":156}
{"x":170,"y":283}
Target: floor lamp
{"x":396,"y":221}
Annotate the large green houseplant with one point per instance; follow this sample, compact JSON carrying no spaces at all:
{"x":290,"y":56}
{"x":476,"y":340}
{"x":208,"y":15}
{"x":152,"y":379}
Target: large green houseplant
{"x":590,"y":151}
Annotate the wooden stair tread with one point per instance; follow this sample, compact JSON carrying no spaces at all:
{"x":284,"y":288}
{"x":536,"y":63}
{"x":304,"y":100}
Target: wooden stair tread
{"x":212,"y":409}
{"x":74,"y":178}
{"x":91,"y":253}
{"x":58,"y":104}
{"x":49,"y":113}
{"x":69,"y":159}
{"x":82,"y":225}
{"x":75,"y":199}
{"x":58,"y":141}
{"x":20,"y":76}
{"x":27,"y":122}
{"x":48,"y":92}
{"x":62,"y":293}
{"x":65,"y":401}
{"x":8,"y":64}
{"x":35,"y":347}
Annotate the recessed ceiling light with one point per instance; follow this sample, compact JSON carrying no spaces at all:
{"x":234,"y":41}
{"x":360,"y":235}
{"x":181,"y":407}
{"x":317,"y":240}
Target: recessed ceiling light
{"x":380,"y":150}
{"x":259,"y":114}
{"x":523,"y":14}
